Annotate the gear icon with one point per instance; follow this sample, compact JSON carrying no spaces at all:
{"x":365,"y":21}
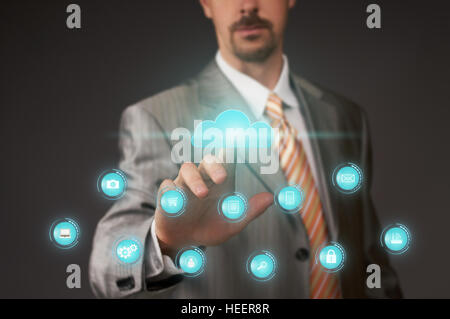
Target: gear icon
{"x":124,"y":252}
{"x":127,"y":250}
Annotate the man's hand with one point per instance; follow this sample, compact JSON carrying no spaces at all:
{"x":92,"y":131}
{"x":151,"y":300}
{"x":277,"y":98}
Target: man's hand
{"x":201,"y":224}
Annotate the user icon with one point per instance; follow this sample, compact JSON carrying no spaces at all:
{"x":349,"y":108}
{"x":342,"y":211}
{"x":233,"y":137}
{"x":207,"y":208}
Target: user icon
{"x":191,"y":260}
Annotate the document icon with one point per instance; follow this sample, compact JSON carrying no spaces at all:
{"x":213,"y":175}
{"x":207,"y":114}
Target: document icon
{"x":233,"y":207}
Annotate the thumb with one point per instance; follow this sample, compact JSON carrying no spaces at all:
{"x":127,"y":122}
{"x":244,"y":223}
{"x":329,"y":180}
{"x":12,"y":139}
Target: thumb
{"x":258,"y":204}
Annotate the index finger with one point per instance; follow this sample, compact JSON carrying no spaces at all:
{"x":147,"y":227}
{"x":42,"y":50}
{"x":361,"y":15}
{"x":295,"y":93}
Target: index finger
{"x":211,"y":167}
{"x":190,"y":176}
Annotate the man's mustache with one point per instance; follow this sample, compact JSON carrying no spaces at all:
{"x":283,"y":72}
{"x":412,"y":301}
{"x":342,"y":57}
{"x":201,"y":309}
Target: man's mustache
{"x":252,"y":20}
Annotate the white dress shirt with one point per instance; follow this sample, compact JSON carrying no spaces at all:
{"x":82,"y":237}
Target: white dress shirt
{"x":256,"y":96}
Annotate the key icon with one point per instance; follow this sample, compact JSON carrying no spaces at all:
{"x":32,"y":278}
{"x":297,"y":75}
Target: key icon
{"x":262,"y":265}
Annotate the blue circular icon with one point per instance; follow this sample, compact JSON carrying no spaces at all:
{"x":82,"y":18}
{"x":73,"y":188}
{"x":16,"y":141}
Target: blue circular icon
{"x":112,"y":184}
{"x":128,"y":251}
{"x":348,"y":178}
{"x":262,"y":265}
{"x":396,"y":239}
{"x":65,"y":233}
{"x":173,"y":202}
{"x":233,"y":207}
{"x":331,"y":257}
{"x":290,"y":198}
{"x":191,"y":260}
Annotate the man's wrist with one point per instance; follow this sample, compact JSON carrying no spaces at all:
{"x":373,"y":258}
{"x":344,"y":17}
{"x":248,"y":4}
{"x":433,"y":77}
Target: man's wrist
{"x":166,"y":249}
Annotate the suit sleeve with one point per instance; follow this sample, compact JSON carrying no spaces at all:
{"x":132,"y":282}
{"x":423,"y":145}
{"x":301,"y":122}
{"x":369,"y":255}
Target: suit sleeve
{"x":374,"y":253}
{"x":145,"y":160}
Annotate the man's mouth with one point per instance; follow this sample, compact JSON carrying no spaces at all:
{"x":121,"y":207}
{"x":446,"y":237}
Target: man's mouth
{"x":248,"y":30}
{"x":250,"y":27}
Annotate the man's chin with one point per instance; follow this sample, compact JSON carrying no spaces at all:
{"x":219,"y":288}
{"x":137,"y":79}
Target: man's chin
{"x":253,"y":48}
{"x":254,"y":53}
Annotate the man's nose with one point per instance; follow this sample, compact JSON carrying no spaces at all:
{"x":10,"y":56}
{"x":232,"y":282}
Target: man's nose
{"x":249,"y":7}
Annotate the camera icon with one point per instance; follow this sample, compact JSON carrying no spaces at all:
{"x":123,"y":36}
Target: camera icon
{"x":112,"y":184}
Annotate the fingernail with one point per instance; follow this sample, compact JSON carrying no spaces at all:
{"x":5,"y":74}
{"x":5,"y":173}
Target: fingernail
{"x":199,"y":189}
{"x":219,"y":174}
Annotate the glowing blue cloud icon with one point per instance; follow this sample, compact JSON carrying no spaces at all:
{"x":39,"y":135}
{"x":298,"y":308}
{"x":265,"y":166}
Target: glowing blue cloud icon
{"x":232,"y":129}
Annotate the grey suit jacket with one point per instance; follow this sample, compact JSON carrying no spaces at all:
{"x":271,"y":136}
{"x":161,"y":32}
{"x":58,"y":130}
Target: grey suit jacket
{"x":339,"y":132}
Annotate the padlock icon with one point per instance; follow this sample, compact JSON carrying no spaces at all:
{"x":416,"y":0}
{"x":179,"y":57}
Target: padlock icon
{"x":331,"y":256}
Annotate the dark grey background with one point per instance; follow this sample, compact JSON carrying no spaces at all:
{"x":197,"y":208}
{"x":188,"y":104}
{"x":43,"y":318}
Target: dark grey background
{"x":62,"y":92}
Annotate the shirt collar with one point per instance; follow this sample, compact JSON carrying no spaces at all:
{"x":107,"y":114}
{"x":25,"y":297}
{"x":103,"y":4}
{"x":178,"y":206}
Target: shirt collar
{"x":253,"y":92}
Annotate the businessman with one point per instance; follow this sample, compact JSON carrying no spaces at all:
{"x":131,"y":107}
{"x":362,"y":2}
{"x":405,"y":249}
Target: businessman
{"x":251,"y":73}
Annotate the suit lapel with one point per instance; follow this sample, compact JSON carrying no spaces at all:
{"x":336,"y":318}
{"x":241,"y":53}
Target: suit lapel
{"x":216,"y":92}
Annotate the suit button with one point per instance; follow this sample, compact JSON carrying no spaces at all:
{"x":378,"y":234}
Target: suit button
{"x":302,"y":254}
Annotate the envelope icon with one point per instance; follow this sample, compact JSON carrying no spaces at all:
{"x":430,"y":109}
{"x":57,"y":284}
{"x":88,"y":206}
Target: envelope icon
{"x":348,"y":178}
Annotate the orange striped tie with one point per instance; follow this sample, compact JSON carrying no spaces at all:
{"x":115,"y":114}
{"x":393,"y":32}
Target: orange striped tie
{"x":296,"y":168}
